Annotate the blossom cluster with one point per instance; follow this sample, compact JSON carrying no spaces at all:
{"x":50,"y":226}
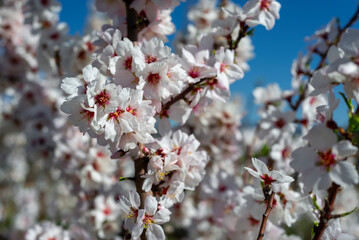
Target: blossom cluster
{"x":114,"y":135}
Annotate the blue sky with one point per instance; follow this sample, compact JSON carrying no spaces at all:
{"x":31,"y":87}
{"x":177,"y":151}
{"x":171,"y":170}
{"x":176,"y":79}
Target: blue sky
{"x":275,"y":50}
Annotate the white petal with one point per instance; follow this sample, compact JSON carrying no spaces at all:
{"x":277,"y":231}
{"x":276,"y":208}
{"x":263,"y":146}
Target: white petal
{"x":321,"y":137}
{"x":150,"y":205}
{"x":134,"y":199}
{"x":253,"y":173}
{"x":260,"y":166}
{"x":162,"y":216}
{"x":344,"y":174}
{"x":304,"y":158}
{"x":155,"y":232}
{"x":344,"y":149}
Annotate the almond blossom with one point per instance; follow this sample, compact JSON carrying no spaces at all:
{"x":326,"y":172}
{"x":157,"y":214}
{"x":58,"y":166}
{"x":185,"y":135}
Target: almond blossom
{"x":268,"y":177}
{"x":262,"y":12}
{"x":324,"y":162}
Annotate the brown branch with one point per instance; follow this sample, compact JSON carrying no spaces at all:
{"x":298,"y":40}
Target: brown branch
{"x":181,"y":95}
{"x":131,"y":19}
{"x":242,"y":33}
{"x":140,"y":170}
{"x":326,"y":213}
{"x":266,"y":216}
{"x":142,"y":161}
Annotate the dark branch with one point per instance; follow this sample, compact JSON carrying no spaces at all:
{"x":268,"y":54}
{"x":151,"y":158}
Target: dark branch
{"x":266,"y":216}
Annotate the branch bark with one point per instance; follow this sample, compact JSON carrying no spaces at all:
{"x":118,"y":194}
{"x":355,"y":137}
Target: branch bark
{"x":141,"y":162}
{"x":266,"y":216}
{"x":326,"y":214}
{"x":131,"y":18}
{"x":181,"y":95}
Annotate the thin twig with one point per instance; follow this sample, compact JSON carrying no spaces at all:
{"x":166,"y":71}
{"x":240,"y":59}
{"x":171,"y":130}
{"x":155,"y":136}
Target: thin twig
{"x":242,"y":33}
{"x":182,"y":95}
{"x":266,"y":216}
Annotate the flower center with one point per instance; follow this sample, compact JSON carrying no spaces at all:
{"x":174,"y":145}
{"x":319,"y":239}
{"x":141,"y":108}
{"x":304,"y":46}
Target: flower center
{"x":107,"y":211}
{"x":326,"y":159}
{"x":160,"y":175}
{"x":131,"y":110}
{"x":265,"y":4}
{"x":103,"y":98}
{"x":86,"y":114}
{"x":223,"y":67}
{"x":153,"y":78}
{"x":150,"y":59}
{"x":133,"y":213}
{"x":148,"y":220}
{"x":194,"y":73}
{"x":128,"y":63}
{"x":116,"y":115}
{"x":267,"y":179}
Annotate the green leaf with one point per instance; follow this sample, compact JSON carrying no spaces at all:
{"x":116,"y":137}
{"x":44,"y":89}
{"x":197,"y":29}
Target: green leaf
{"x":348,"y":102}
{"x":250,"y":32}
{"x":344,"y":214}
{"x":353,"y":123}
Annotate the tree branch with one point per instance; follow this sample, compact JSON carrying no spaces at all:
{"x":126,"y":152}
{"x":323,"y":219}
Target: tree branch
{"x":326,"y":213}
{"x":181,"y":95}
{"x":242,"y":33}
{"x":266,"y":216}
{"x":131,"y":18}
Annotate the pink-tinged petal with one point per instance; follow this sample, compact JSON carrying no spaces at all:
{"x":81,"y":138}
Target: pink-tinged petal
{"x":344,"y":149}
{"x":155,"y":232}
{"x":260,"y":166}
{"x":253,"y":173}
{"x":150,"y":205}
{"x":304,"y":158}
{"x":321,"y":138}
{"x":344,"y":174}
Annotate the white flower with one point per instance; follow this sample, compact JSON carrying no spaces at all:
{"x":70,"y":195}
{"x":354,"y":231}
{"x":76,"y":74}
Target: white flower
{"x":149,"y":218}
{"x":262,"y":12}
{"x":227,"y":71}
{"x":46,"y":230}
{"x":266,"y":176}
{"x":158,"y":168}
{"x":324,"y":160}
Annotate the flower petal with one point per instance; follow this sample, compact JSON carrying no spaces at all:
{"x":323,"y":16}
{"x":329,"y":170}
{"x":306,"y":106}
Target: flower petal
{"x":344,"y":174}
